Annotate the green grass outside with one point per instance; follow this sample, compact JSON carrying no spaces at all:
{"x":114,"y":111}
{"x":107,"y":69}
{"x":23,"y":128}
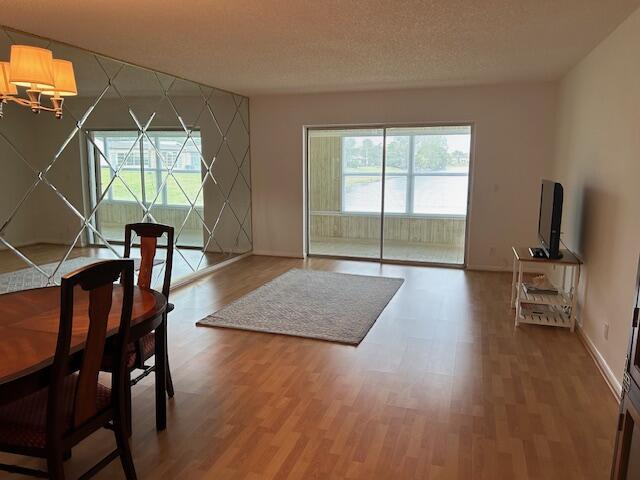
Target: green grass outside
{"x":189,"y":181}
{"x":376,"y":174}
{"x":375,"y":170}
{"x":375,"y":177}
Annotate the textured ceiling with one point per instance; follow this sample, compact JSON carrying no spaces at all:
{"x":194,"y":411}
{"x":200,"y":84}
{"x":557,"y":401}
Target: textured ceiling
{"x":271,"y":46}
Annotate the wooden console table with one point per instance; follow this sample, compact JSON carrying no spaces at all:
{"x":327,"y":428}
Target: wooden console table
{"x":561,"y":307}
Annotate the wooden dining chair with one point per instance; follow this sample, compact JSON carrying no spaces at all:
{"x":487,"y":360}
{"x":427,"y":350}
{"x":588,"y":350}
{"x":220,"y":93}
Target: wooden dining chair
{"x":149,"y":233}
{"x":141,"y":350}
{"x":48,"y":423}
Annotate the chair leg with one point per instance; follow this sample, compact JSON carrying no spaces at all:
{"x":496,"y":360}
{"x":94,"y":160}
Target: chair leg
{"x":161,"y":375}
{"x":127,"y":405}
{"x":55,"y":465}
{"x":124,"y":449}
{"x":170,"y":391}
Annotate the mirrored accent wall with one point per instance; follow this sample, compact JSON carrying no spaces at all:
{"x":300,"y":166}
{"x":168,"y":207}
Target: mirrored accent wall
{"x":134,"y":145}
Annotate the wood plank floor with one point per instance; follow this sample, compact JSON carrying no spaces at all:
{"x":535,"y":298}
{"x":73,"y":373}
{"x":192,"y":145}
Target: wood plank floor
{"x":442,"y":387}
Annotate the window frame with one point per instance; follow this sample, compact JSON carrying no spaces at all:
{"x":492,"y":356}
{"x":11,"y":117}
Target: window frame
{"x":143,"y":168}
{"x":410,"y":175}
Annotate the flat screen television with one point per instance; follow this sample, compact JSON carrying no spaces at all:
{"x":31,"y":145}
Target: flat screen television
{"x":550,"y":218}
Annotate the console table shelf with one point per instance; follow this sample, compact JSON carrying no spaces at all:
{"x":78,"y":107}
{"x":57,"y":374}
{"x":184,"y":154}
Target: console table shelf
{"x":557,"y":317}
{"x":558,"y":310}
{"x":561,"y":299}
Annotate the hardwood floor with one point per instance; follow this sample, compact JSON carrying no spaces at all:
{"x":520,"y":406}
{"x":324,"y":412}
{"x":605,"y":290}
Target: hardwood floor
{"x":441,"y":387}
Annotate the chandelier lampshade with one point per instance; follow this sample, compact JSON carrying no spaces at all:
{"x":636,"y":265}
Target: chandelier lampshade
{"x":31,"y":67}
{"x":6,"y":87}
{"x":64,"y":79}
{"x":41,"y":74}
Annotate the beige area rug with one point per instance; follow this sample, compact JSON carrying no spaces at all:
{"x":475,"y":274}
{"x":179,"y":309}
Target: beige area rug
{"x":329,"y":306}
{"x":27,"y":278}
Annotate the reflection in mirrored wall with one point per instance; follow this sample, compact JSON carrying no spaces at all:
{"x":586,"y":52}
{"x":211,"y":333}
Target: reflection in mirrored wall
{"x":133,"y":145}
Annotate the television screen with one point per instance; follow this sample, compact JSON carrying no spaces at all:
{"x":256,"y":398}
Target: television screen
{"x":550,"y":217}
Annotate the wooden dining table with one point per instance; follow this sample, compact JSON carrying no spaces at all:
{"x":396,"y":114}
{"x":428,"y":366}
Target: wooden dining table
{"x":29,"y":323}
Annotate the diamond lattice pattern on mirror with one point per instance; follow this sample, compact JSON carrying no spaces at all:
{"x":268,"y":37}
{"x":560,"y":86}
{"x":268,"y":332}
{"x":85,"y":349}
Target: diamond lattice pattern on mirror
{"x":134,"y":145}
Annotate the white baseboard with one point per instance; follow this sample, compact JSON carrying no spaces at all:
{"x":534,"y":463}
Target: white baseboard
{"x":609,"y":377}
{"x":41,"y":241}
{"x":273,"y":253}
{"x":482,"y":268}
{"x":206,"y":271}
{"x":239,"y":251}
{"x":488,"y":268}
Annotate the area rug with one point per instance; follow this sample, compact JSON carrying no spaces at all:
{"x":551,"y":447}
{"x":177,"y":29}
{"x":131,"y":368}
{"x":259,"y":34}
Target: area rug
{"x":329,"y":306}
{"x":27,"y":278}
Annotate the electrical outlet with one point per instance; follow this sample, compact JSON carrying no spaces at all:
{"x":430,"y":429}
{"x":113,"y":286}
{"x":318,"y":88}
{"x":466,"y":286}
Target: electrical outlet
{"x":606,"y":331}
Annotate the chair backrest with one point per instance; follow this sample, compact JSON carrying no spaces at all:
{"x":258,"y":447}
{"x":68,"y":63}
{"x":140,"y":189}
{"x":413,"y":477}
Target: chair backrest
{"x":149,"y":234}
{"x":98,"y":280}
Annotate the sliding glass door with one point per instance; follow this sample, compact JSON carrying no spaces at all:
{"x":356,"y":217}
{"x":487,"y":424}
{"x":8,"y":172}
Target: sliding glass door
{"x":345,"y":192}
{"x":426,"y":188}
{"x":392,"y":193}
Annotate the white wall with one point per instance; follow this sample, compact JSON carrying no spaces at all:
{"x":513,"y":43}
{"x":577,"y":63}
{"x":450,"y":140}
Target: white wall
{"x":514,"y":135}
{"x":598,"y":161}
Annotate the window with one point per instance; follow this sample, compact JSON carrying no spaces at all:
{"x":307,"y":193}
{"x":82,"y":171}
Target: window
{"x":426,"y":171}
{"x":361,"y":173}
{"x":151,"y":158}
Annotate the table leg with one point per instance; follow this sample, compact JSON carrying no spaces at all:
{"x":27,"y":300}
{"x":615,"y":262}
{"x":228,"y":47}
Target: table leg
{"x":161,"y":374}
{"x":513,"y":281}
{"x":518,"y":288}
{"x":575,"y":277}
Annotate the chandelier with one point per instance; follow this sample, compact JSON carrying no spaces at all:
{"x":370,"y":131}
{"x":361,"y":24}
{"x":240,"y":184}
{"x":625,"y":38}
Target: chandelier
{"x":36,"y":70}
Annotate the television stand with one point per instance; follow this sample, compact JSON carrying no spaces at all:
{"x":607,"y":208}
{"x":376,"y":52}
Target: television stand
{"x":545,"y":308}
{"x":537,"y":252}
